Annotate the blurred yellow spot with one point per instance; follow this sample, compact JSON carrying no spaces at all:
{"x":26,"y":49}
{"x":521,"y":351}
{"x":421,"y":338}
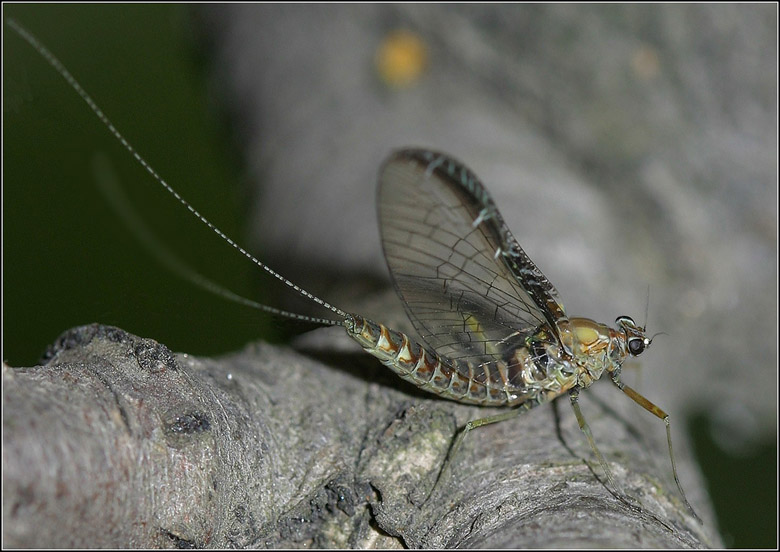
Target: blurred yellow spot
{"x":401,"y":58}
{"x":645,"y":63}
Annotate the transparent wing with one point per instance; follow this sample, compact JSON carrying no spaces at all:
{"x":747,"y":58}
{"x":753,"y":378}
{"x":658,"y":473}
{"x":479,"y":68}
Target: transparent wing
{"x":467,"y":286}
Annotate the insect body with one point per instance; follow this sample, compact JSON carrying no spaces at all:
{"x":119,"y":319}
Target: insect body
{"x":492,"y":329}
{"x":534,"y":373}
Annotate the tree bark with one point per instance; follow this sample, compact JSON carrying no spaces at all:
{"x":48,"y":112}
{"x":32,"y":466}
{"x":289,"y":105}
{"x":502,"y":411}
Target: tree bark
{"x":115,"y":441}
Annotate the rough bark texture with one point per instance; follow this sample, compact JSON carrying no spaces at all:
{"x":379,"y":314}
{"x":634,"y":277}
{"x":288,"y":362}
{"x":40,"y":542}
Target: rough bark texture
{"x":115,"y":441}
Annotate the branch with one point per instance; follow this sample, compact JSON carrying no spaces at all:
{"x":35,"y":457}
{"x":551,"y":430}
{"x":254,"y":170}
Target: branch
{"x":115,"y":441}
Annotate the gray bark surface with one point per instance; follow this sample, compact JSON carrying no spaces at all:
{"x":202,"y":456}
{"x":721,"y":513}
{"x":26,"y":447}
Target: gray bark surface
{"x":115,"y":441}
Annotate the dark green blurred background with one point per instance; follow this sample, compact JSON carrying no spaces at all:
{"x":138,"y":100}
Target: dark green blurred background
{"x":67,"y":260}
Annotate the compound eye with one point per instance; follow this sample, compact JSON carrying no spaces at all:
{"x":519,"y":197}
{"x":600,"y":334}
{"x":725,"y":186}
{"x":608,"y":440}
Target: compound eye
{"x":636,"y":345}
{"x":625,"y":321}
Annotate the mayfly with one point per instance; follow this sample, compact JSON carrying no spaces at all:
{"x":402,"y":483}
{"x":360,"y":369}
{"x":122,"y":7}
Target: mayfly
{"x":492,"y":329}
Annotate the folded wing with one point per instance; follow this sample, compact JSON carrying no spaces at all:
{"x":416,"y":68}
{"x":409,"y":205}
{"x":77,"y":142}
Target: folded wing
{"x":469,"y":289}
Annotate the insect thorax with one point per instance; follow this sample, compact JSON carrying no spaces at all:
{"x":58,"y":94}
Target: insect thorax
{"x":594,"y":347}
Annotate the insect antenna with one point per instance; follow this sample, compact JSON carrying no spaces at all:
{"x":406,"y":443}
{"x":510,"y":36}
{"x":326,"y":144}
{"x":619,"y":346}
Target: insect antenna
{"x":647,"y":309}
{"x":167,"y":258}
{"x":656,"y":334}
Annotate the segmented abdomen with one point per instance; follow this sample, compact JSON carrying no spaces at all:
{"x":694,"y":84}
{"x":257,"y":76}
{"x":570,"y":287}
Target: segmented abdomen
{"x":493,"y":384}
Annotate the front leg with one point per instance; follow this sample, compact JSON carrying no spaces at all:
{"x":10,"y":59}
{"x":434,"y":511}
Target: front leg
{"x":656,"y":411}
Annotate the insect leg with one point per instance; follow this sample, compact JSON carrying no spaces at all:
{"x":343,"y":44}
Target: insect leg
{"x":656,"y":411}
{"x":574,"y":395}
{"x":473,"y":424}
